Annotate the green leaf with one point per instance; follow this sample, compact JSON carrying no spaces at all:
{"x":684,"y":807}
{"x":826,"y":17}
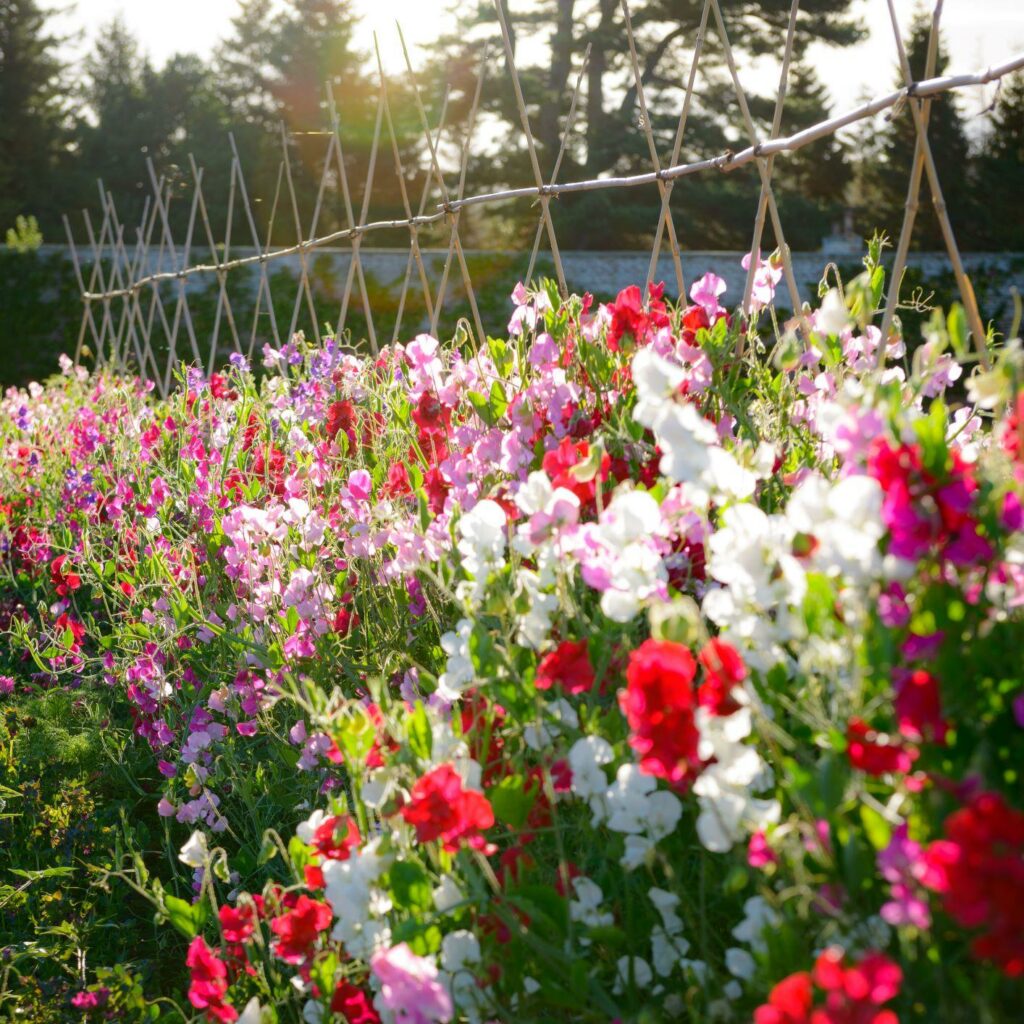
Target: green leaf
{"x":410,"y":886}
{"x":875,"y":827}
{"x":498,"y":403}
{"x":482,"y":407}
{"x":188,"y":918}
{"x":511,"y":802}
{"x":34,"y":876}
{"x":418,"y":731}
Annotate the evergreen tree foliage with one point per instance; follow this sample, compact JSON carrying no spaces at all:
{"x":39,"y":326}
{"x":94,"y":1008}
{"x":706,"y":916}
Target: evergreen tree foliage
{"x":1000,"y":170}
{"x":889,"y":175}
{"x":33,"y":116}
{"x":812,"y":183}
{"x":609,"y":137}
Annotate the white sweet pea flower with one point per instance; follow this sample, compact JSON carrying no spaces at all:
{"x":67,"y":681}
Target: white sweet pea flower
{"x":758,"y":916}
{"x":447,"y":894}
{"x":586,"y":908}
{"x":638,"y":848}
{"x":845,"y":521}
{"x":459,"y":673}
{"x":195,"y":852}
{"x":667,"y":950}
{"x":627,"y":799}
{"x":666,"y":903}
{"x":832,"y":316}
{"x":632,"y":971}
{"x":482,"y":533}
{"x":656,"y":381}
{"x":253,"y":1012}
{"x":739,"y":963}
{"x":589,"y":782}
{"x":459,"y":949}
{"x":728,"y":808}
{"x":558,"y":714}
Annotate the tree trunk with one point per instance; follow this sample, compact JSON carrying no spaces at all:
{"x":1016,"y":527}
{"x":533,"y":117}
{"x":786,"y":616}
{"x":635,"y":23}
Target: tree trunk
{"x":601,"y":42}
{"x":558,"y":77}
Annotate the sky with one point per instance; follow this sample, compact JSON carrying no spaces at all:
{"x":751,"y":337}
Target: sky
{"x":978,"y":33}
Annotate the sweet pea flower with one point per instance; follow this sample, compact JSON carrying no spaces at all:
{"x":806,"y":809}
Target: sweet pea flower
{"x":410,"y":987}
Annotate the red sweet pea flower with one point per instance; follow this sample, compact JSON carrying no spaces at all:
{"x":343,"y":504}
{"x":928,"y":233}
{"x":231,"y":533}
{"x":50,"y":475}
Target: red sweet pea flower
{"x":874,"y":752}
{"x":268,"y":466}
{"x":919,"y":707}
{"x":341,"y":417}
{"x":220,"y":389}
{"x":298,"y":930}
{"x":430,"y":415}
{"x":630,"y":319}
{"x":337,"y":837}
{"x":397,"y":484}
{"x":724,"y":669}
{"x":979,"y":870}
{"x":65,"y":623}
{"x":853,"y":993}
{"x":560,"y":462}
{"x":789,"y":1002}
{"x":353,"y":1004}
{"x":208,"y":981}
{"x":237,"y":924}
{"x":568,"y":667}
{"x":695,"y":318}
{"x":437,"y":489}
{"x":658,"y":703}
{"x":63,"y":581}
{"x":439,"y":808}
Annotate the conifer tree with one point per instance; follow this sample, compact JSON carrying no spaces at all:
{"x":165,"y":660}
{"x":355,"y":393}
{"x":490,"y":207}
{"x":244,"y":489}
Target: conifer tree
{"x":33,"y":114}
{"x":950,"y":150}
{"x":1000,"y":170}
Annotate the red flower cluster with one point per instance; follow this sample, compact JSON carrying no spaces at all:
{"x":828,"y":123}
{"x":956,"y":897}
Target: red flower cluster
{"x":560,"y":463}
{"x":353,"y":1004}
{"x":659,"y":702}
{"x":979,"y":870}
{"x":853,"y":994}
{"x":268,"y":466}
{"x":567,"y":667}
{"x":874,"y":752}
{"x":299,"y":928}
{"x":439,"y":808}
{"x":64,"y":581}
{"x":237,"y":924}
{"x":208,"y":983}
{"x":630,"y":318}
{"x":430,"y":415}
{"x":341,"y":419}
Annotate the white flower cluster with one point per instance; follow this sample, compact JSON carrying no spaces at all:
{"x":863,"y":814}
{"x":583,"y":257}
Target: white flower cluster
{"x":358,"y":903}
{"x":728,"y":811}
{"x":632,"y":805}
{"x":482,"y":539}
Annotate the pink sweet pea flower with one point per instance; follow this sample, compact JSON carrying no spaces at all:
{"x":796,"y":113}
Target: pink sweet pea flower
{"x":409,"y":986}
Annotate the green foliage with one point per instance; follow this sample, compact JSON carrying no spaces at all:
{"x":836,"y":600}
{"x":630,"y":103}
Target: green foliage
{"x":25,"y":236}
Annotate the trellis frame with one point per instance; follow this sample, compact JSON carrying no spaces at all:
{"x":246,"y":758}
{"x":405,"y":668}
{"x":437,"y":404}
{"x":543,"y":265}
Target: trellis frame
{"x":120,"y":324}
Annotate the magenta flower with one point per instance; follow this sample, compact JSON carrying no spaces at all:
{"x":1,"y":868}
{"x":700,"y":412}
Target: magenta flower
{"x":901,"y":864}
